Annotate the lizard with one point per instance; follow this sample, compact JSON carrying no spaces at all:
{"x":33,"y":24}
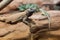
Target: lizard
{"x":28,"y":9}
{"x":21,"y":16}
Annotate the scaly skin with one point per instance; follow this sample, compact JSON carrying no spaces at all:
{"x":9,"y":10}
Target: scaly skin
{"x":13,"y":17}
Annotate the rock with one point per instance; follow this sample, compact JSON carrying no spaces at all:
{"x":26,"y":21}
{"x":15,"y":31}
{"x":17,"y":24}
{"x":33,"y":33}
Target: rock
{"x":18,"y":31}
{"x":56,"y":32}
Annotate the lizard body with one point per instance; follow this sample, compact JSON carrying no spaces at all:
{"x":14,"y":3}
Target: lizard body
{"x":13,"y":17}
{"x":21,"y":16}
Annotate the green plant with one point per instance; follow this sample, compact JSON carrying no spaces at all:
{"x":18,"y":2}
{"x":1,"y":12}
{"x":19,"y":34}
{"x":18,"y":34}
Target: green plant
{"x":24,"y":7}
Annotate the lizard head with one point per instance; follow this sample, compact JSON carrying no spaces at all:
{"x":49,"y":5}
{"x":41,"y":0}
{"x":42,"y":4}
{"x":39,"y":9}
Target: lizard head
{"x":31,"y":10}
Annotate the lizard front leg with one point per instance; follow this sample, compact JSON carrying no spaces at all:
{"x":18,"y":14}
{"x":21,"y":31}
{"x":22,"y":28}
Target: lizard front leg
{"x":25,"y":21}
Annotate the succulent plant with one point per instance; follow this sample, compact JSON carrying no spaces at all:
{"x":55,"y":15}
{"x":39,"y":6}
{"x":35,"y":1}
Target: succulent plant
{"x":28,"y":6}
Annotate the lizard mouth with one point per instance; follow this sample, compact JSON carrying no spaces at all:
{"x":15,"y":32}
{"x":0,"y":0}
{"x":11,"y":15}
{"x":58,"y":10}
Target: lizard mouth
{"x":1,"y":0}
